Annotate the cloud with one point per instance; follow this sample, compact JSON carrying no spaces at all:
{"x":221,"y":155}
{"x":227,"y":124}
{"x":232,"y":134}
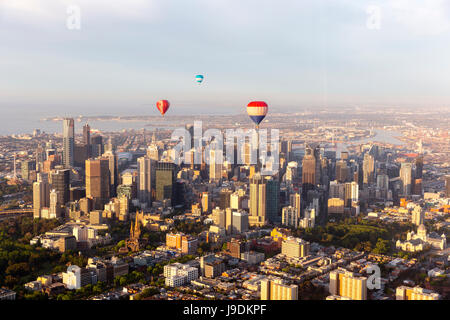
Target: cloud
{"x":45,"y":10}
{"x":431,"y":17}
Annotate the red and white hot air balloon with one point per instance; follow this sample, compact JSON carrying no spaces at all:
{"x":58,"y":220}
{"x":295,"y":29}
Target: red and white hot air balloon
{"x":257,"y":111}
{"x":163,"y":106}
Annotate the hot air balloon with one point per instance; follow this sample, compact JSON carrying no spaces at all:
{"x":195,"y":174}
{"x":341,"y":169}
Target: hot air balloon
{"x":163,"y":106}
{"x":199,"y":78}
{"x":257,"y":111}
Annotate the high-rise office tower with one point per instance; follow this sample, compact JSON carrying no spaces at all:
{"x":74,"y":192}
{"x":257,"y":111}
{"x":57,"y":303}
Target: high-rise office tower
{"x":257,"y":200}
{"x":147,"y":179}
{"x":215,"y":164}
{"x":383,"y":185}
{"x":346,"y":284}
{"x":289,"y":217}
{"x":236,"y":200}
{"x":98,"y":181}
{"x":272,"y":199}
{"x":342,"y":171}
{"x":219,"y":218}
{"x":165,"y":180}
{"x":368,"y":169}
{"x":26,"y":167}
{"x":291,"y":172}
{"x":247,"y":155}
{"x":41,"y":197}
{"x":190,"y":129}
{"x":374,"y":151}
{"x":337,"y":190}
{"x":295,"y":201}
{"x":60,"y":181}
{"x":224,"y":198}
{"x":55,"y":206}
{"x":40,"y":158}
{"x":87,"y":139}
{"x":97,"y":148}
{"x":286,"y":149}
{"x":351,"y":193}
{"x":68,"y":142}
{"x":113,"y":170}
{"x":309,"y":172}
{"x":419,"y":167}
{"x":239,"y":222}
{"x":80,"y":155}
{"x":206,"y":202}
{"x":406,"y":178}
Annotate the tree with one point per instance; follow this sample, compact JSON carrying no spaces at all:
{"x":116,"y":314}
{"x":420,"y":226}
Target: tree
{"x":382,"y":247}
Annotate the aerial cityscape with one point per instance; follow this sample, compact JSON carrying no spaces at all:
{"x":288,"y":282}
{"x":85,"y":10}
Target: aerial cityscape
{"x":252,"y":198}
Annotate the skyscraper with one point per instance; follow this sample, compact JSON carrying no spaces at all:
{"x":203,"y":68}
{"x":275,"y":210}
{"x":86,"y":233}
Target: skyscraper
{"x":351,"y":193}
{"x":239,"y":222}
{"x":98,"y":181}
{"x":206,"y":202}
{"x":97,"y":148}
{"x":257,"y":200}
{"x":26,"y":167}
{"x":406,"y":178}
{"x":291,"y":172}
{"x":286,"y":149}
{"x":146,"y":180}
{"x":60,"y":181}
{"x":295,"y":201}
{"x":55,"y":206}
{"x":309,"y":170}
{"x":165,"y":180}
{"x":383,"y":184}
{"x":368,"y":169}
{"x":272,"y":199}
{"x":290,"y":217}
{"x":224,"y":198}
{"x":342,"y":171}
{"x":419,"y":167}
{"x":113,"y":170}
{"x":215,"y":164}
{"x":68,"y":142}
{"x":87,"y":139}
{"x":40,"y":197}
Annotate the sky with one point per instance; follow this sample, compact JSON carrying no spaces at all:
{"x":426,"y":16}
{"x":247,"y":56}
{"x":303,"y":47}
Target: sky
{"x":293,"y":54}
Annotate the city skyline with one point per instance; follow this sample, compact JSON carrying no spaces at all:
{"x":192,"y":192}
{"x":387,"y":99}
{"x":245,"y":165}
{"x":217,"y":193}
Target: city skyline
{"x":240,"y":152}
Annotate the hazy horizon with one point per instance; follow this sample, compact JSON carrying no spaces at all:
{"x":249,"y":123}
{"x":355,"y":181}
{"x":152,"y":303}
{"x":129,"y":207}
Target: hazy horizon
{"x":129,"y":54}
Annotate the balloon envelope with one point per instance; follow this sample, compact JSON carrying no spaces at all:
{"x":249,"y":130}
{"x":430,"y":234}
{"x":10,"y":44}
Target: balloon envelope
{"x":199,"y":78}
{"x":257,"y":111}
{"x":163,"y":106}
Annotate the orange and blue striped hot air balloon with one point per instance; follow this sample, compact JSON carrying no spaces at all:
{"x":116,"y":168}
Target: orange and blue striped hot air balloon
{"x":257,"y":111}
{"x":163,"y":106}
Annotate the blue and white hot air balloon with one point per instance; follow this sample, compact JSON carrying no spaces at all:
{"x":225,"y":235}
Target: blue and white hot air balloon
{"x":199,"y":78}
